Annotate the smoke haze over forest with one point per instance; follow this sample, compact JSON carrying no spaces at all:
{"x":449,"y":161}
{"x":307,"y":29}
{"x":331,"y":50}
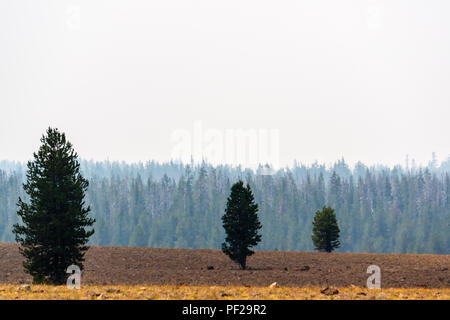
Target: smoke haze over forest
{"x":364,"y":80}
{"x":379,"y":209}
{"x":164,"y":81}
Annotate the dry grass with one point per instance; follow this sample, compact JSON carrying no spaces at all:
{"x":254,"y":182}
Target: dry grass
{"x":42,"y":292}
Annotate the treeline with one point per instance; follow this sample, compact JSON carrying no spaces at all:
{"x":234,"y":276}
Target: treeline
{"x":174,"y":205}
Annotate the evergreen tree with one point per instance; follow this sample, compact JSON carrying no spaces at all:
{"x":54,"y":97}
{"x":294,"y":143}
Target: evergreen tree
{"x":241,"y":224}
{"x":53,"y":234}
{"x":379,"y":209}
{"x":325,"y":230}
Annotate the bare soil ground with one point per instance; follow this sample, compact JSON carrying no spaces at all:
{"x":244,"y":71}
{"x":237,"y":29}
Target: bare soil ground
{"x":186,"y":267}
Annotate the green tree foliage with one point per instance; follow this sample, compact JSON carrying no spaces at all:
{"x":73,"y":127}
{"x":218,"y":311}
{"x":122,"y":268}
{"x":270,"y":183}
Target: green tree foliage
{"x":241,"y":224}
{"x":379,"y":209}
{"x":325,"y":233}
{"x":53,"y":234}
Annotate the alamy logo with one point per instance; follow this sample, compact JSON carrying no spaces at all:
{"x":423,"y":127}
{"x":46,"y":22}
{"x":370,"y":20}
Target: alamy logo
{"x":247,"y":147}
{"x":374,"y":281}
{"x":74,"y":280}
{"x":73,"y":20}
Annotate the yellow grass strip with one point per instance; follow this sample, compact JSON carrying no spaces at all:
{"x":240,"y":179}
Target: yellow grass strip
{"x":43,"y":292}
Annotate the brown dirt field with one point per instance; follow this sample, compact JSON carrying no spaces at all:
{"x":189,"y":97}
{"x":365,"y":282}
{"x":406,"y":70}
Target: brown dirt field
{"x":186,"y":267}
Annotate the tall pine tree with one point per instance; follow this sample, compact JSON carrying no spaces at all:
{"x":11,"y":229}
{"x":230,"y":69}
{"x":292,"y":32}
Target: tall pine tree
{"x":325,"y":230}
{"x":241,"y":224}
{"x":53,"y":234}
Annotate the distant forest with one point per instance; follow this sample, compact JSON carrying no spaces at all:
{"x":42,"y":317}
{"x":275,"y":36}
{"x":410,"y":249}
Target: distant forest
{"x":171,"y":205}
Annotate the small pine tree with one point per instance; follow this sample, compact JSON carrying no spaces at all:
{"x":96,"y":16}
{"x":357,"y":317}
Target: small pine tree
{"x":241,"y":224}
{"x":53,"y":234}
{"x":325,"y":230}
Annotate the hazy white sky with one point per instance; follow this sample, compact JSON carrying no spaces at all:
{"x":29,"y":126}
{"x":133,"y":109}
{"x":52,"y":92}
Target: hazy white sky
{"x":364,"y":80}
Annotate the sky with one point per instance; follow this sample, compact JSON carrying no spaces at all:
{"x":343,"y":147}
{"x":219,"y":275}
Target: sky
{"x":152,"y":80}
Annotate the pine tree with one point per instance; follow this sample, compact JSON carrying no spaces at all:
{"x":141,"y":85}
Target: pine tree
{"x":53,"y":234}
{"x":241,"y":224}
{"x":325,"y":230}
